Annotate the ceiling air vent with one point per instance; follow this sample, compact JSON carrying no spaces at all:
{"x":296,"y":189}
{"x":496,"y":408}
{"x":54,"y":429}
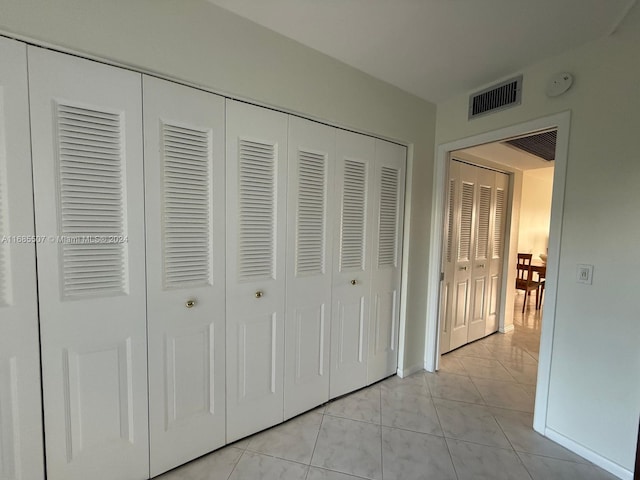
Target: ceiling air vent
{"x":497,"y":97}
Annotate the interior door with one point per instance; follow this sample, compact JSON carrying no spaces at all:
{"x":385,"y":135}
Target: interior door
{"x":386,"y":259}
{"x":185,"y":226}
{"x":309,"y":265}
{"x":256,"y":241}
{"x":481,"y":254}
{"x":355,"y":156}
{"x":21,"y":455}
{"x":86,"y":125}
{"x":496,"y":250}
{"x":459,"y":252}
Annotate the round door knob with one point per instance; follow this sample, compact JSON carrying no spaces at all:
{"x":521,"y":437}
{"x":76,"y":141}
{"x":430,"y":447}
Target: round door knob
{"x":190,"y":303}
{"x":354,"y":282}
{"x":259,"y":294}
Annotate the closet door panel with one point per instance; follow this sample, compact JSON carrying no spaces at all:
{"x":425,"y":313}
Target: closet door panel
{"x":496,"y":250}
{"x":256,"y":242}
{"x":480,"y":272}
{"x":21,"y":456}
{"x":309,"y":265}
{"x":87,"y":156}
{"x":386,"y":262}
{"x":185,"y":228}
{"x":355,"y":157}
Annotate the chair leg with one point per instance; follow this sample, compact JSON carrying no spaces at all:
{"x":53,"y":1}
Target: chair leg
{"x":524,"y":304}
{"x":537,"y":298}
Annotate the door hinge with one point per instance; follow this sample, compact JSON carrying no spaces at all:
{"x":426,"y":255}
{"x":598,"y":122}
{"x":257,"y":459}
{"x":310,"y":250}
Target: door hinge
{"x":442,"y":276}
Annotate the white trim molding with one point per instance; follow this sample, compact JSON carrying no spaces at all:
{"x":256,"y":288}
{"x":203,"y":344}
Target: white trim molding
{"x":589,"y":454}
{"x":561,"y":121}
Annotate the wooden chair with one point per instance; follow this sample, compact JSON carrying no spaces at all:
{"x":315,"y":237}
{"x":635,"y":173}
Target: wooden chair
{"x":524,"y":279}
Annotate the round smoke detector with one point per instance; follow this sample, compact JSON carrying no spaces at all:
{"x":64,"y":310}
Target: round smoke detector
{"x":559,"y":83}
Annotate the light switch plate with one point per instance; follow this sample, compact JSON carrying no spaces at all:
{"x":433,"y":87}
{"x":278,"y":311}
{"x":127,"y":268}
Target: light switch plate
{"x":584,"y":274}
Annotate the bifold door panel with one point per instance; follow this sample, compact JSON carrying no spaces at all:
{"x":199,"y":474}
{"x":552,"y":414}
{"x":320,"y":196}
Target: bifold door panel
{"x":185,"y":228}
{"x":309,"y":265}
{"x":386,"y":254}
{"x":256,"y":242}
{"x":21,"y":455}
{"x":351,"y":290}
{"x":86,"y":123}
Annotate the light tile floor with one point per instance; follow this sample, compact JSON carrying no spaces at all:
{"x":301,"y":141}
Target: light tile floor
{"x":471,"y":420}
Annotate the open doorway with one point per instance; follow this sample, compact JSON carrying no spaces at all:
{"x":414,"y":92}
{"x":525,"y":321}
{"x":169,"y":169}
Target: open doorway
{"x":560,"y":122}
{"x":498,"y":208}
{"x":489,"y":187}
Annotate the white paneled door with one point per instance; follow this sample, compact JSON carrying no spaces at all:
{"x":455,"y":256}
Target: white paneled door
{"x":185,"y":227}
{"x":21,"y":456}
{"x":256,"y":243}
{"x":386,"y":264}
{"x":309,"y":265}
{"x":87,"y":154}
{"x":355,"y":159}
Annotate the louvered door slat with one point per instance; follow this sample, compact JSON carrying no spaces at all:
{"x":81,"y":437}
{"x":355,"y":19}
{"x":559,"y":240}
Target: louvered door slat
{"x":450,"y":218}
{"x":90,"y":156}
{"x":484,"y":214}
{"x":312,"y":184}
{"x":256,"y":204}
{"x":388,"y":217}
{"x":186,"y":159}
{"x":466,"y":218}
{"x":498,"y":225}
{"x":353,"y":215}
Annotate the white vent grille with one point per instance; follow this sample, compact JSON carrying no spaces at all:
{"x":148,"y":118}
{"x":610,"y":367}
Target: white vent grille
{"x":257,"y":210}
{"x":484,"y":215}
{"x":187,"y":206}
{"x":388,"y":234}
{"x":312,"y":185}
{"x":452,"y":196}
{"x":353,"y":215}
{"x":498,"y":225}
{"x":466,"y":218}
{"x":91,"y":206}
{"x":498,"y":97}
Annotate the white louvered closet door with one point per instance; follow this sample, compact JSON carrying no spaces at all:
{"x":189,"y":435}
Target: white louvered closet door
{"x":21,"y":456}
{"x":256,"y":241}
{"x":497,"y":231}
{"x":185,"y":227}
{"x":457,"y":256}
{"x":355,"y":157}
{"x":86,"y":128}
{"x":386,"y":259}
{"x":481,"y":255}
{"x":309,"y":265}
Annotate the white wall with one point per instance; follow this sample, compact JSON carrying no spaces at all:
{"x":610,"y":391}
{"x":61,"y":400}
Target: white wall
{"x":535,"y":211}
{"x":201,"y":44}
{"x":594,"y":392}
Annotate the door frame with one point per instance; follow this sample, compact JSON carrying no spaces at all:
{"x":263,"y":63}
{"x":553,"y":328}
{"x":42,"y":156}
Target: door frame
{"x":560,"y":121}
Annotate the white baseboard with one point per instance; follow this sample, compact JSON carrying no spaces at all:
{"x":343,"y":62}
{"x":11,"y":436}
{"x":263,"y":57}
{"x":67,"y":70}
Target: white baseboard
{"x":507,"y":328}
{"x":590,"y":455}
{"x":408,"y":371}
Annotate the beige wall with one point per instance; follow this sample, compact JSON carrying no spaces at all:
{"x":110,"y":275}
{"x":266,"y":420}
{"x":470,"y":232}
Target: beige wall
{"x":535,"y":211}
{"x":594,"y":392}
{"x":198,"y":43}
